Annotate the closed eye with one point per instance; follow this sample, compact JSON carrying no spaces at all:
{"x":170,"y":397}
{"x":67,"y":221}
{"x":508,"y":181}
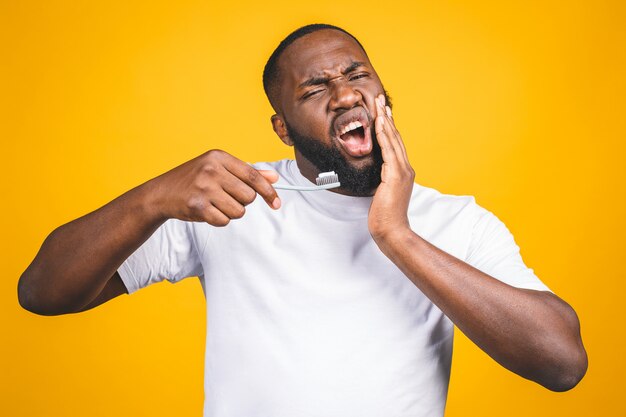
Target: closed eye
{"x":358,"y":76}
{"x":312,"y":93}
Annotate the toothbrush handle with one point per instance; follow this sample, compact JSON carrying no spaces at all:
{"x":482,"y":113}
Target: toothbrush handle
{"x":302,"y":188}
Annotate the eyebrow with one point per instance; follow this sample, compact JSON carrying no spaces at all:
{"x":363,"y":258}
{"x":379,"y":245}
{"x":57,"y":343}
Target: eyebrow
{"x":323,"y":80}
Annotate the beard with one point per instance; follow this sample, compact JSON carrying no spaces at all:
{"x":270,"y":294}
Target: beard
{"x":357,"y":181}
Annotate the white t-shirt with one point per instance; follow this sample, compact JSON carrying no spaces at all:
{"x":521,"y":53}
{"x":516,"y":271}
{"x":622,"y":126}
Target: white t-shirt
{"x":307,"y":317}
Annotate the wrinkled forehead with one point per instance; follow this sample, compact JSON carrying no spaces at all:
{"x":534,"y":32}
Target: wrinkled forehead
{"x":322,"y":53}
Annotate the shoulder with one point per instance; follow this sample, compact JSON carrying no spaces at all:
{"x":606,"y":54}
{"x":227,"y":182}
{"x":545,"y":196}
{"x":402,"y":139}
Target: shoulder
{"x":286,"y":169}
{"x":445,"y":220}
{"x":429,"y":201}
{"x":280,"y":166}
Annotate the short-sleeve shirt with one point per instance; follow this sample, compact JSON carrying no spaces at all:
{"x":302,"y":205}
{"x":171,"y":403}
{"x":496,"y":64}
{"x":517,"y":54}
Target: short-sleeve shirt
{"x":307,"y":317}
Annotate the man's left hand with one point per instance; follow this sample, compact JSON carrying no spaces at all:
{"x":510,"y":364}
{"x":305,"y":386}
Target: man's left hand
{"x":388,"y":212}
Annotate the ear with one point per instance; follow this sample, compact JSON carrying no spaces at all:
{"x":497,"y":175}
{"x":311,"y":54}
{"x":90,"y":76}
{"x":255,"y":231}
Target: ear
{"x":281,"y":129}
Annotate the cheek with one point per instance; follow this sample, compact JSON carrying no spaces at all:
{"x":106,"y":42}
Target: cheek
{"x":313,"y":122}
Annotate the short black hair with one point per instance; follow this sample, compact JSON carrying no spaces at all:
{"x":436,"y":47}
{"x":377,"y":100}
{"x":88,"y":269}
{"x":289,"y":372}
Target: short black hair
{"x":271,"y":73}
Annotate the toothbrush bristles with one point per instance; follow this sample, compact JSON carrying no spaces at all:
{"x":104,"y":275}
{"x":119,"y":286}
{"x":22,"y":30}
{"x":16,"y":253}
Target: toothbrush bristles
{"x":325,"y":178}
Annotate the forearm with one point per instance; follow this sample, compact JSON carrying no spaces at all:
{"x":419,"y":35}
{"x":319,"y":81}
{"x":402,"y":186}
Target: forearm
{"x":534,"y":334}
{"x":77,"y":259}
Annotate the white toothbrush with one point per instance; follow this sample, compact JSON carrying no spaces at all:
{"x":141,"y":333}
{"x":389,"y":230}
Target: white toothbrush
{"x":324,"y":181}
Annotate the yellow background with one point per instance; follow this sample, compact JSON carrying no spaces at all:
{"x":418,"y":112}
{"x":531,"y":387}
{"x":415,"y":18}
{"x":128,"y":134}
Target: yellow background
{"x":521,"y":104}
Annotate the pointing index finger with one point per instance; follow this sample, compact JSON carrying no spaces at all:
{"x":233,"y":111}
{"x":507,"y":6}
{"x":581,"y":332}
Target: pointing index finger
{"x":259,"y":180}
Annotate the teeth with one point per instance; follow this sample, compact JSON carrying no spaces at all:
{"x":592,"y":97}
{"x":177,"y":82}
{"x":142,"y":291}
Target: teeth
{"x":351,"y":126}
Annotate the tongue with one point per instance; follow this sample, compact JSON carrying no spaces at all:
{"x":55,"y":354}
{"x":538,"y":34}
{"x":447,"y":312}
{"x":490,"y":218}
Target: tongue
{"x":355,"y":144}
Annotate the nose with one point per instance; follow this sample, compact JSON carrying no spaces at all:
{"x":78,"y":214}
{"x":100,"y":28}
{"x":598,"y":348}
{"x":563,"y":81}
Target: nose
{"x":343,"y":95}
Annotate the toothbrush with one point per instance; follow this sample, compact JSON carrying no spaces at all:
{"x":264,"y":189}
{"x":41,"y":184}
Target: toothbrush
{"x":324,"y":181}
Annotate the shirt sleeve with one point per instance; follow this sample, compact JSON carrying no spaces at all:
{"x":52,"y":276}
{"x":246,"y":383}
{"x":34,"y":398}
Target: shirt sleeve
{"x":493,"y":251}
{"x":169,"y":254}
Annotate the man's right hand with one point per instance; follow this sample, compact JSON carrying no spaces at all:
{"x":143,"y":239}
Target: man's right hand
{"x":214,"y":188}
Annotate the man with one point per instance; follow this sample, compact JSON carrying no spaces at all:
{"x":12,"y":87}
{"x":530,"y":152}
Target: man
{"x":325,"y":303}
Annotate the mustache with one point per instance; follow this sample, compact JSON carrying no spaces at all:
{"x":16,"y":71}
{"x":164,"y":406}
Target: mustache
{"x":355,"y":111}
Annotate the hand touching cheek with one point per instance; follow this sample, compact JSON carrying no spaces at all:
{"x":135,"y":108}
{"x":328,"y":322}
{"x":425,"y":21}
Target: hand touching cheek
{"x":388,"y":212}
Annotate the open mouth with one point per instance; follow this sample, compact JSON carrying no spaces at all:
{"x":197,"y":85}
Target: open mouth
{"x":353,"y":132}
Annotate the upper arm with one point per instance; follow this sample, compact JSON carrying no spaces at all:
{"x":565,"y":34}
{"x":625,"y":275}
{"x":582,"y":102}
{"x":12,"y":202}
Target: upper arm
{"x":493,"y":250}
{"x":114,"y":287}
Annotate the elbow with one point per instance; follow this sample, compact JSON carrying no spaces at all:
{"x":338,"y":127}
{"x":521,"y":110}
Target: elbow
{"x":557,"y":359}
{"x":26,"y":296}
{"x":30,"y":300}
{"x":570,"y":360}
{"x":41,"y":289}
{"x":569,"y":372}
